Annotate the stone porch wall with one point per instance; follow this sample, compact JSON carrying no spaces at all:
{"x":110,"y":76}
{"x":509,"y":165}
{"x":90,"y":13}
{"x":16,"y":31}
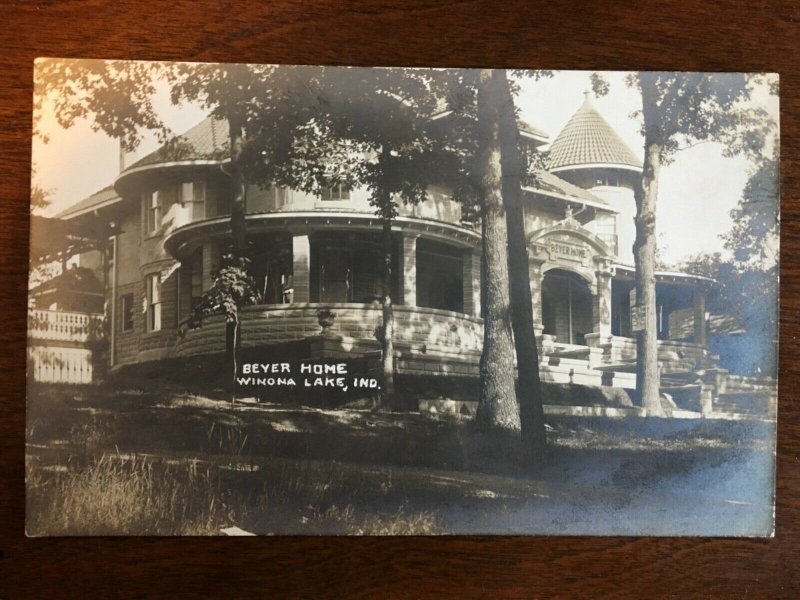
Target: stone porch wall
{"x":427,"y":340}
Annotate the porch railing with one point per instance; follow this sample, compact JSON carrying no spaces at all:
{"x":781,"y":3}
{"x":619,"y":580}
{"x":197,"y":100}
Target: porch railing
{"x":60,"y":326}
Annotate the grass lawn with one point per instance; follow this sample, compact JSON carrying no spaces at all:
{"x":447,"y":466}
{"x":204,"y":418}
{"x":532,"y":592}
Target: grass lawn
{"x":162,"y":462}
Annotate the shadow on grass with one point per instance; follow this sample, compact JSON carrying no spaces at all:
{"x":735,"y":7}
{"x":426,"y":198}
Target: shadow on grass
{"x":168,"y":463}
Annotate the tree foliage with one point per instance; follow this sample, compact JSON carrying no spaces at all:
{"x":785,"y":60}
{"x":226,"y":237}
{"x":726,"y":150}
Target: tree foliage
{"x":680,"y":109}
{"x":113,"y":96}
{"x":231,"y":289}
{"x":753,"y":240}
{"x":371,"y":129}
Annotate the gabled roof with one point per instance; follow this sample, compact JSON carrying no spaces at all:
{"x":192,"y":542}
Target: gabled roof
{"x":205,"y":141}
{"x":549,"y":182}
{"x":588,"y":139}
{"x":100,"y":198}
{"x":526,"y":128}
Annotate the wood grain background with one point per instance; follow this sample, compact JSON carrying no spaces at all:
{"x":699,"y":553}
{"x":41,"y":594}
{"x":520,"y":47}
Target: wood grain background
{"x":700,"y":35}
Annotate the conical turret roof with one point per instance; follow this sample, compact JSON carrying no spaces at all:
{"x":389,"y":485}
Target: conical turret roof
{"x":588,"y":139}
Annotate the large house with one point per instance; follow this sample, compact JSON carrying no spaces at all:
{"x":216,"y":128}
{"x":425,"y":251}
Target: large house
{"x":171,"y":219}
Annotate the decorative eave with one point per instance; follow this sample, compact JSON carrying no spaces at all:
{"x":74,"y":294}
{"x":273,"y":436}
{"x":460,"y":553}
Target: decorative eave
{"x":123,"y":179}
{"x":177,"y":240}
{"x":571,"y":199}
{"x":627,"y":272}
{"x":629,"y":168}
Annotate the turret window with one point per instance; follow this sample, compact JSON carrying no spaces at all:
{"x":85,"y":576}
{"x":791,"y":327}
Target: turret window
{"x":607,"y":179}
{"x":193,"y":197}
{"x":152,"y":212}
{"x":153,"y":300}
{"x":335,"y":192}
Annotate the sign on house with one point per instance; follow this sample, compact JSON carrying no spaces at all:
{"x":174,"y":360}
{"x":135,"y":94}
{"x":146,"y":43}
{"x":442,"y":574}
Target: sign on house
{"x":637,"y":313}
{"x":564,"y":249}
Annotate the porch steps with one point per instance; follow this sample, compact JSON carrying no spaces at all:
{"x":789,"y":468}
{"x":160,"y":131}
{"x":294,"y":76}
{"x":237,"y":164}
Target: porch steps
{"x":745,"y":402}
{"x":581,"y":352}
{"x":626,"y":366}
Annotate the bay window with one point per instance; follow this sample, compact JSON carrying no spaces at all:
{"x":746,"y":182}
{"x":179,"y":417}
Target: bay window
{"x":152,"y":207}
{"x":193,"y":197}
{"x":153,"y":301}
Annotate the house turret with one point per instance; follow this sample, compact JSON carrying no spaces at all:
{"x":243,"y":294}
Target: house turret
{"x":590,"y":154}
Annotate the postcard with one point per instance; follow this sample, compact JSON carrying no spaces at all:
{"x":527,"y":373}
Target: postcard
{"x":277,"y":299}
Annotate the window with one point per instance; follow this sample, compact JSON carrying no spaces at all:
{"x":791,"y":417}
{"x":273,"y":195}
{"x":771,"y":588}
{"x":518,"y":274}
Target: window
{"x":606,"y":179}
{"x":336,"y":192}
{"x":193,"y":197}
{"x":196,"y":269}
{"x":152,"y":212}
{"x":153,"y":293}
{"x":109,"y":262}
{"x":440,"y":276}
{"x":349,"y":268}
{"x":267,"y":198}
{"x":280,"y":196}
{"x":126,"y":312}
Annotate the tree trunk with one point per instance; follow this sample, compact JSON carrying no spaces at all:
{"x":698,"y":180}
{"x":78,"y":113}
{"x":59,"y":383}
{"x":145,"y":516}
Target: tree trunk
{"x":386,"y":212}
{"x":644,"y":252}
{"x":387,"y":343}
{"x":238,"y":209}
{"x":232,"y":333}
{"x":529,"y":390}
{"x":497,"y":406}
{"x":238,"y":236}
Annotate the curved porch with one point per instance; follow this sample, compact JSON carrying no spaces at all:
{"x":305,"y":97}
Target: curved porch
{"x":427,"y":341}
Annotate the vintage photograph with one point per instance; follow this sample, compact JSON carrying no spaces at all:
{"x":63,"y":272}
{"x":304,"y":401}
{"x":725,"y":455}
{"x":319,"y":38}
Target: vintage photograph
{"x":310,"y":300}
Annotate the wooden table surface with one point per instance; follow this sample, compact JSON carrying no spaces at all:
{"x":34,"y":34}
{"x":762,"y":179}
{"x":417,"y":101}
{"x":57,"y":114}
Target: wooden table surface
{"x":752,"y":35}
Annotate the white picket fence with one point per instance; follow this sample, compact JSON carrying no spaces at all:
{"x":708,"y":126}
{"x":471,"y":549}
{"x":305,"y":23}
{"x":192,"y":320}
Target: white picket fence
{"x":55,"y":340}
{"x":51,"y":364}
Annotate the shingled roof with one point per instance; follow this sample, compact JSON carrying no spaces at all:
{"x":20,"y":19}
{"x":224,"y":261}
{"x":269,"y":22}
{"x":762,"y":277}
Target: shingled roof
{"x":100,"y":198}
{"x":531,"y":130}
{"x":207,"y":140}
{"x":588,"y":139}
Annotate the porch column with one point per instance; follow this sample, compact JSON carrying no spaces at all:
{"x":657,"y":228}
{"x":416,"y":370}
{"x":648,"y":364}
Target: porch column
{"x":471,"y":272}
{"x":700,"y":337}
{"x":408,"y":270}
{"x":535,"y":274}
{"x":301,"y":267}
{"x":601,"y":304}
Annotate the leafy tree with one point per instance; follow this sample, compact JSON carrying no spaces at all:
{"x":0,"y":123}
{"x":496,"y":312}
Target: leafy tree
{"x":753,"y":240}
{"x":680,"y":109}
{"x":747,"y":283}
{"x":489,"y":126}
{"x":497,"y":407}
{"x":232,"y":288}
{"x":262,"y":105}
{"x":529,"y":390}
{"x":40,"y":197}
{"x":373,"y":131}
{"x":114,"y":96}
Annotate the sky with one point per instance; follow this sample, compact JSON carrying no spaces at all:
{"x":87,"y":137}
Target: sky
{"x":696,"y":193}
